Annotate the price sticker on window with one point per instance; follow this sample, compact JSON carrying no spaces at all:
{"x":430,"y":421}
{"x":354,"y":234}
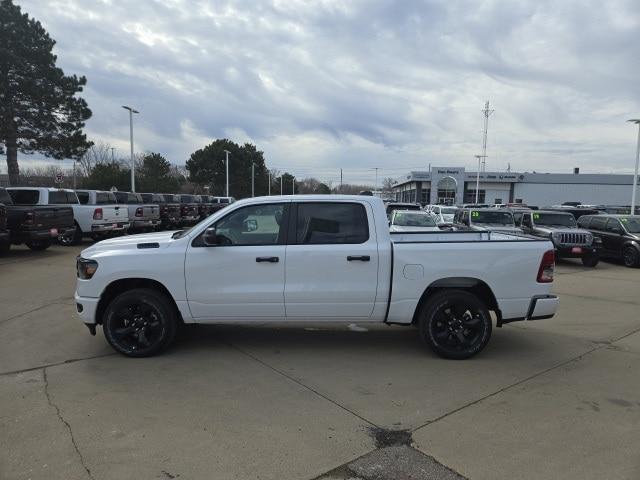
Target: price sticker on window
{"x":624,"y":220}
{"x":475,"y":214}
{"x":536,"y":216}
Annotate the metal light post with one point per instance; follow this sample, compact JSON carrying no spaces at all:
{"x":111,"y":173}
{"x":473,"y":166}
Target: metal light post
{"x":133,"y":166}
{"x":281,"y":183}
{"x":635,"y":175}
{"x":479,"y":157}
{"x":253,"y":183}
{"x":269,"y":186}
{"x":375,"y":188}
{"x":293,"y":185}
{"x":226,"y":162}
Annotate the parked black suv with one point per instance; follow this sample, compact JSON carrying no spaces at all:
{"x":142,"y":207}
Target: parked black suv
{"x":562,"y":229}
{"x":619,"y":236}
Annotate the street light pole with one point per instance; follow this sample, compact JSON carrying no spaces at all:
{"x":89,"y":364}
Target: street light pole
{"x":635,"y":175}
{"x":376,"y":185}
{"x":269,"y":186}
{"x":133,"y":166}
{"x":281,"y":182}
{"x":293,"y":185}
{"x":226,"y":163}
{"x":479,"y":157}
{"x":253,"y":183}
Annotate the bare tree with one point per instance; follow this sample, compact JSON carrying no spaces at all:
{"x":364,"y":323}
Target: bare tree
{"x":387,"y":184}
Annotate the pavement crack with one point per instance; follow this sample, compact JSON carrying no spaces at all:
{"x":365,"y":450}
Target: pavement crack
{"x":66,"y":424}
{"x":295,"y":380}
{"x":504,"y":389}
{"x":56,"y":364}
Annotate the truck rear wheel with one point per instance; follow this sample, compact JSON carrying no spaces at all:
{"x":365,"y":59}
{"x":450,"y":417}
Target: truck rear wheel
{"x":140,"y":322}
{"x":38,"y":245}
{"x":71,"y":239}
{"x":455,"y":324}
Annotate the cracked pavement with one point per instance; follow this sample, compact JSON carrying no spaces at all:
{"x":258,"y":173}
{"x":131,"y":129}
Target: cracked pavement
{"x":559,"y":397}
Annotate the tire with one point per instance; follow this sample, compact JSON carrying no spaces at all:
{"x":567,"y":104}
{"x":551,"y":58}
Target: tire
{"x":137,"y":312}
{"x":630,"y":257}
{"x":455,"y":324}
{"x":38,"y":245}
{"x":74,"y":239}
{"x":590,"y":261}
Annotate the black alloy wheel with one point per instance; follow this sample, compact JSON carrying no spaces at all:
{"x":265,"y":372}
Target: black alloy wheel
{"x":455,"y":324}
{"x":140,"y":323}
{"x":630,"y":257}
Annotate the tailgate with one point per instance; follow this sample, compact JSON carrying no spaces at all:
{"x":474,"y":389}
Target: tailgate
{"x":151,"y":211}
{"x":114,"y":213}
{"x":49,"y":217}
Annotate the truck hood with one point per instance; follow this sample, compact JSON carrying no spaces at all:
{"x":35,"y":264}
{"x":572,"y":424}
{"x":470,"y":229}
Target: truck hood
{"x":129,"y":242}
{"x":398,"y":228}
{"x":552,"y":229}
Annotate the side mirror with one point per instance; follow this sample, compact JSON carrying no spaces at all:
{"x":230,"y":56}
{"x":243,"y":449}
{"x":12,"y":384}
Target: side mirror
{"x":209,"y":237}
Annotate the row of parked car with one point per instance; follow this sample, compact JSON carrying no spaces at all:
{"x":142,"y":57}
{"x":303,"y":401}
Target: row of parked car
{"x":39,"y":216}
{"x":575,"y":231}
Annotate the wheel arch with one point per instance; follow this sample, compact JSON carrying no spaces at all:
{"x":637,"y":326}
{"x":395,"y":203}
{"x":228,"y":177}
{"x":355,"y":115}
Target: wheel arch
{"x":477,"y":287}
{"x":117,"y":287}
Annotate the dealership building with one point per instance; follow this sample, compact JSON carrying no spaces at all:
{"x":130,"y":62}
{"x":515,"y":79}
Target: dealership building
{"x":455,"y":186}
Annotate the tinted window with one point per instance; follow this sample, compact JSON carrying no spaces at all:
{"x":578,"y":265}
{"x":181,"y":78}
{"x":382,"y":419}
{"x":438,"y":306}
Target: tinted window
{"x":614,"y":226}
{"x":186,"y":199}
{"x":632,"y":224}
{"x":252,"y":225}
{"x":583,"y":222}
{"x":105,"y":198}
{"x":58,"y":197}
{"x":492,"y":218}
{"x":597,"y":223}
{"x":133,"y":198}
{"x":555,"y":219}
{"x":147,"y":197}
{"x":25,"y":197}
{"x":83,"y":197}
{"x":329,"y":223}
{"x":171,"y":198}
{"x":5,"y":197}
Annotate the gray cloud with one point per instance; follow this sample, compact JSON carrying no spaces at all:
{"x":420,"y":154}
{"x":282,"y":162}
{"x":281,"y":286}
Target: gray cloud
{"x":328,"y":84}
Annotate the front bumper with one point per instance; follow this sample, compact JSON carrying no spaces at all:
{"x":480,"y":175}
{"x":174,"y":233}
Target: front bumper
{"x":575,"y":251}
{"x":86,"y":308}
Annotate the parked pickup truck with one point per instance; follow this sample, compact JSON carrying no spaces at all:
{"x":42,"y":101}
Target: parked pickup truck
{"x":312,"y":258}
{"x":143,"y":217}
{"x":169,"y":209}
{"x":37,"y":226}
{"x":561,"y":228}
{"x":5,"y":241}
{"x":98,"y":217}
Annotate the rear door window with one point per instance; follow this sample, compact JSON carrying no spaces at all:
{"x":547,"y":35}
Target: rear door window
{"x":25,"y":197}
{"x":105,"y":198}
{"x":331,"y":223}
{"x":598,"y":223}
{"x":83,"y":197}
{"x":62,"y":197}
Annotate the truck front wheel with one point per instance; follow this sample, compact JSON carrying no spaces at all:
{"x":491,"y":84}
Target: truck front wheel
{"x":455,"y":324}
{"x":38,"y":245}
{"x":140,"y":322}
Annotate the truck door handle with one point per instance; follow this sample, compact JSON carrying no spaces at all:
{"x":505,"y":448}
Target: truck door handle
{"x":360,"y":258}
{"x":267,"y":259}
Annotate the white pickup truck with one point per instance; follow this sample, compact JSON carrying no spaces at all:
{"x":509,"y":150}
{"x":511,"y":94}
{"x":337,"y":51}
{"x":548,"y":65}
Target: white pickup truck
{"x":312,"y":259}
{"x":91,"y":219}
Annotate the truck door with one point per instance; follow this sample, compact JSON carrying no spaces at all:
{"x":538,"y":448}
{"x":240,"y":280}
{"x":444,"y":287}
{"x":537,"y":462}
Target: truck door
{"x":242,"y":276}
{"x":332,"y":261}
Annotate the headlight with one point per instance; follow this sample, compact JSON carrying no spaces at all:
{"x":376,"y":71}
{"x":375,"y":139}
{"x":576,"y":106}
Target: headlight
{"x":555,"y":237}
{"x":86,"y":268}
{"x":589,"y":238}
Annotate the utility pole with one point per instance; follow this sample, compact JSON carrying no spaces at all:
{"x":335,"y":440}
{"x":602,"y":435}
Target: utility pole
{"x":340,"y":180}
{"x":133,"y":165}
{"x":486,"y":112}
{"x":479,"y":157}
{"x":281,"y":183}
{"x":293,"y":185}
{"x":376,"y":185}
{"x":635,"y":175}
{"x":226,"y":163}
{"x":253,"y":183}
{"x":269,"y":186}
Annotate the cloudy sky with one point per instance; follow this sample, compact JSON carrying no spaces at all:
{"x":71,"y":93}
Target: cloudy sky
{"x":325,"y":84}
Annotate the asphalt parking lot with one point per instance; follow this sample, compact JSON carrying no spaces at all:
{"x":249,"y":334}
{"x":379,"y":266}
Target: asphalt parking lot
{"x":558,"y":398}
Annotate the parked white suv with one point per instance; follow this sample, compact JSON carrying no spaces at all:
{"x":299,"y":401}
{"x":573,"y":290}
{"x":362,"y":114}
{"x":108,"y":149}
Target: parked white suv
{"x":312,"y":258}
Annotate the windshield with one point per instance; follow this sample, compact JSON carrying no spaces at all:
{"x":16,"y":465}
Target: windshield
{"x":554,"y":219}
{"x":492,"y":218}
{"x":632,"y":224}
{"x":409,"y":219}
